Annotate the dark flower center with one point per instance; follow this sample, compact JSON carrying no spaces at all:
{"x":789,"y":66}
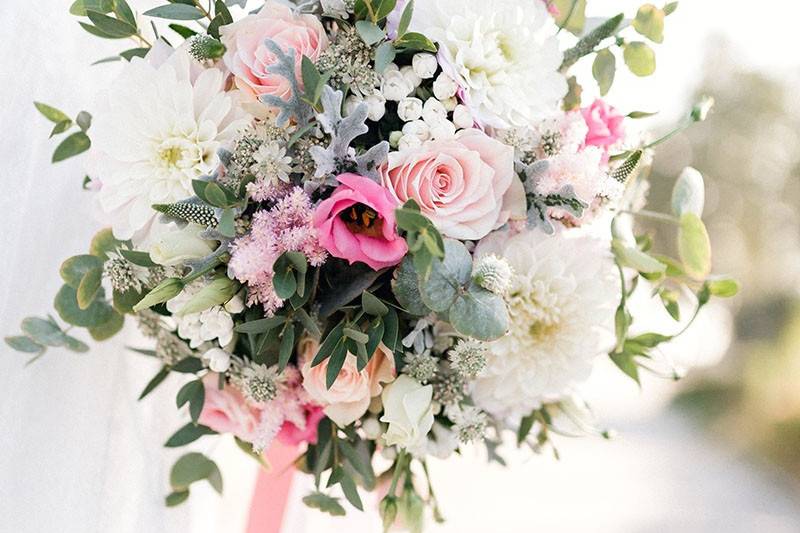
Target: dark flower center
{"x":361,"y":218}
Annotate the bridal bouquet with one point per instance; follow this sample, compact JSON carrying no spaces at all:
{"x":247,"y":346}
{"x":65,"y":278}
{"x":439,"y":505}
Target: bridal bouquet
{"x":375,"y":230}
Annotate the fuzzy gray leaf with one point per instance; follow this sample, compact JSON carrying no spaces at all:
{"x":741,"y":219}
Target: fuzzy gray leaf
{"x":284,"y":67}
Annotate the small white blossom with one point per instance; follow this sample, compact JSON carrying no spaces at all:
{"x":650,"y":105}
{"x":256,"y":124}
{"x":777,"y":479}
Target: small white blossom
{"x":468,"y":358}
{"x":418,"y":129}
{"x":235,"y":305}
{"x":442,"y":129}
{"x":411,"y":76}
{"x":376,"y":106}
{"x":408,"y":141}
{"x":272,"y":163}
{"x":259,"y":383}
{"x":197,"y":328}
{"x":409,"y":109}
{"x":424,"y":65}
{"x":469,"y":423}
{"x":351,"y":103}
{"x":372,"y":428}
{"x":217,"y":359}
{"x":394,"y":138}
{"x":462,"y":118}
{"x":444,"y":86}
{"x":494,"y":274}
{"x":395,"y":86}
{"x":335,"y":8}
{"x":450,"y":104}
{"x":433,"y":111}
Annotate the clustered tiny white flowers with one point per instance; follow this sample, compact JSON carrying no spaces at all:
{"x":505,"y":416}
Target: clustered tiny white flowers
{"x":259,"y":383}
{"x":468,"y":357}
{"x":424,"y":65}
{"x":494,"y":274}
{"x":124,"y":275}
{"x":197,"y":328}
{"x":217,"y":359}
{"x":421,"y":366}
{"x":272,"y":163}
{"x":469,"y":423}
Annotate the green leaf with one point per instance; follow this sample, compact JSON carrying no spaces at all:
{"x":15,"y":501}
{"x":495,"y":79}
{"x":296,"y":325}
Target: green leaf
{"x":175,"y":12}
{"x":79,"y":7}
{"x":723,"y":288}
{"x":670,"y":8}
{"x":571,"y":15}
{"x":66,"y":304}
{"x":670,"y":301}
{"x":384,"y":54}
{"x":188,"y":365}
{"x":572,"y":100}
{"x":331,"y":341}
{"x":73,"y":145}
{"x":61,"y":127}
{"x":129,"y":54}
{"x":222,"y":17}
{"x":218,"y":292}
{"x":479,"y":314}
{"x":324,"y":503}
{"x":191,"y":468}
{"x":183,"y":31}
{"x":45,"y":332}
{"x":357,"y":335}
{"x":603,"y":69}
{"x":75,"y":345}
{"x":631,"y":257}
{"x":102,"y":243}
{"x":640,"y":58}
{"x":109,"y":328}
{"x":414,"y":42}
{"x":351,"y":492}
{"x":447,"y":277}
{"x":308,"y":323}
{"x":176,"y":498}
{"x":24,"y":344}
{"x":194,"y":394}
{"x":391,"y":330}
{"x":360,"y":461}
{"x":124,"y":12}
{"x":405,"y":287}
{"x":369,"y":32}
{"x":52,"y":114}
{"x":649,"y":22}
{"x":89,"y":288}
{"x":626,"y":363}
{"x":286,"y":349}
{"x":377,"y":10}
{"x":285,"y":283}
{"x":263,"y":325}
{"x":139,"y":258}
{"x":84,"y":121}
{"x":372,"y":305}
{"x":525,"y":426}
{"x":694,"y":246}
{"x":405,"y":18}
{"x":163,"y":292}
{"x":114,"y":28}
{"x":75,"y":268}
{"x":155,"y":381}
{"x":335,"y":363}
{"x":187,"y":434}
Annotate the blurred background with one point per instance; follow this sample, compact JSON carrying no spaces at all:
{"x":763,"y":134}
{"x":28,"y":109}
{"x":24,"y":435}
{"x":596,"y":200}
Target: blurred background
{"x":717,"y":451}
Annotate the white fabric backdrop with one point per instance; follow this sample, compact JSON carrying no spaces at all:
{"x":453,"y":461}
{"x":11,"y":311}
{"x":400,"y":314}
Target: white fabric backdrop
{"x":79,"y":454}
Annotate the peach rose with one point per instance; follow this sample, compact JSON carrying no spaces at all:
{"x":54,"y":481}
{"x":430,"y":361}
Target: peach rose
{"x":226,"y":411}
{"x":349,"y":396}
{"x":465,"y":184}
{"x":248,"y":58}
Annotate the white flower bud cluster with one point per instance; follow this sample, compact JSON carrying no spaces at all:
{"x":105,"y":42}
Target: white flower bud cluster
{"x":376,"y":105}
{"x":217,"y":359}
{"x":438,"y":117}
{"x":494,"y":274}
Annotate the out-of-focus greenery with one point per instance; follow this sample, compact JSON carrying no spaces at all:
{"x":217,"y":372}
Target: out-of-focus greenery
{"x":749,"y":154}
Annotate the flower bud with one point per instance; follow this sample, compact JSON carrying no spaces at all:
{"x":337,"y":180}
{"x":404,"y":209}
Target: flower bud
{"x":394,"y":138}
{"x":204,"y":47}
{"x":493,"y":274}
{"x":412,"y":510}
{"x":411,"y":76}
{"x":462,"y":117}
{"x":388,"y":511}
{"x":217,"y":359}
{"x":417,"y":128}
{"x":701,"y":108}
{"x":376,"y":106}
{"x":409,"y":109}
{"x":444,"y":87}
{"x":217,"y":292}
{"x":164,"y":291}
{"x":433,"y":111}
{"x":424,"y":65}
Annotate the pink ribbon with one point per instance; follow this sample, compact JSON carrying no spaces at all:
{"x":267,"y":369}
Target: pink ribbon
{"x":271,"y":495}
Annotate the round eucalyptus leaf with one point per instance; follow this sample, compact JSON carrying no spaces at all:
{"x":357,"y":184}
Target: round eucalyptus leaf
{"x":43,"y":331}
{"x":75,"y":345}
{"x":75,"y":268}
{"x":109,"y":328}
{"x":190,"y":468}
{"x":24,"y":344}
{"x":480,"y":314}
{"x":405,"y":287}
{"x":66,"y":304}
{"x":447,"y":277}
{"x":103,"y":243}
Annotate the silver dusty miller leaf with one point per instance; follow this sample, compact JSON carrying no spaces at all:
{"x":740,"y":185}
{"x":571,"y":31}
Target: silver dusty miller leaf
{"x":284,"y":67}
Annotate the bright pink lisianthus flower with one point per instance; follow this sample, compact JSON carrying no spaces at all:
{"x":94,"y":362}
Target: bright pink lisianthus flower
{"x":605,"y":124}
{"x":248,"y":57}
{"x":226,"y":411}
{"x":291,"y":435}
{"x":357,"y":223}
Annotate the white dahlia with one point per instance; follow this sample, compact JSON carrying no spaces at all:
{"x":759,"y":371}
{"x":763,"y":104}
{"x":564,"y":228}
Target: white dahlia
{"x":157,"y":128}
{"x":561,"y":305}
{"x":503,"y":53}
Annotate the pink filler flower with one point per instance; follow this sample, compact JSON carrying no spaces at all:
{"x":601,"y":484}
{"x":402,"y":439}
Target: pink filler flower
{"x":605,"y":125}
{"x":357,"y":223}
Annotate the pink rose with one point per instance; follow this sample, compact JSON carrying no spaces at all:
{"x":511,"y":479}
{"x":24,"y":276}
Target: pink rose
{"x":226,"y":411}
{"x":291,"y":435}
{"x":357,"y":223}
{"x":605,"y":124}
{"x":466,"y":184}
{"x":348,"y":398}
{"x":248,"y":58}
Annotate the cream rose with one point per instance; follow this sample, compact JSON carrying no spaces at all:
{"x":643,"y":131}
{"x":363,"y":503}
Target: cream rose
{"x":408,"y":411}
{"x":173,"y":245}
{"x":465,"y":184}
{"x":248,"y":57}
{"x":348,"y":398}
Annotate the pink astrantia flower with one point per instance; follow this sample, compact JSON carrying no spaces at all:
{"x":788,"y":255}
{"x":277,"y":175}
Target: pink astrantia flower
{"x":605,"y":125}
{"x":357,"y":223}
{"x":284,"y":228}
{"x":466,"y":184}
{"x":248,"y":57}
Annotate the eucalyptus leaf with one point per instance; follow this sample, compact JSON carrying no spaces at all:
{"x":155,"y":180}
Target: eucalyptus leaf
{"x":479,"y":314}
{"x":694,"y":246}
{"x":603,"y":69}
{"x":109,"y":328}
{"x":447,"y":277}
{"x":51,"y":113}
{"x":45,"y":332}
{"x":405,"y":287}
{"x":188,"y":434}
{"x":640,"y":58}
{"x":324,"y":503}
{"x":649,"y":21}
{"x":24,"y":344}
{"x":191,"y":468}
{"x":66,"y":304}
{"x":175,"y":12}
{"x":75,"y":144}
{"x":369,"y":32}
{"x":75,"y":268}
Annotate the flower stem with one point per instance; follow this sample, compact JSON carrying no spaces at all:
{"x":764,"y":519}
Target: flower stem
{"x":399,"y":467}
{"x":652,"y":215}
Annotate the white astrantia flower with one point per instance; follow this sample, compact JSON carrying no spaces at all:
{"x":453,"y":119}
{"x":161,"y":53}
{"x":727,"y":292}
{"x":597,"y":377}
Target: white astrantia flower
{"x":197,"y":328}
{"x":503,"y":53}
{"x":272,"y":163}
{"x":561,"y":307}
{"x":158,"y":127}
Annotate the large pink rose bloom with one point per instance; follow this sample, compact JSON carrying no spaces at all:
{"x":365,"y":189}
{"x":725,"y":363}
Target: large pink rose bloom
{"x":605,"y":124}
{"x":248,"y":58}
{"x":226,"y":411}
{"x":357,"y":223}
{"x":466,"y":184}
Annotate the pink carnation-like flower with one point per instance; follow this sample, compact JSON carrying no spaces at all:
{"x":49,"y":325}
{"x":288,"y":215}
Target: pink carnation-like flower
{"x":248,"y":57}
{"x":466,"y":184}
{"x":357,"y":223}
{"x":226,"y":411}
{"x":284,"y":228}
{"x":605,"y":124}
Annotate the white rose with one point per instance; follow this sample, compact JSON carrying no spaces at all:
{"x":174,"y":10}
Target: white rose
{"x":433,"y":111}
{"x":462,"y":118}
{"x":376,"y":106}
{"x":407,"y":409}
{"x":444,"y":87}
{"x":408,"y":141}
{"x":442,"y":129}
{"x":395,"y":86}
{"x":175,"y":245}
{"x":418,"y":129}
{"x":217,"y":359}
{"x":351,"y":103}
{"x":409,"y":109}
{"x":424,"y":65}
{"x":411,"y":76}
